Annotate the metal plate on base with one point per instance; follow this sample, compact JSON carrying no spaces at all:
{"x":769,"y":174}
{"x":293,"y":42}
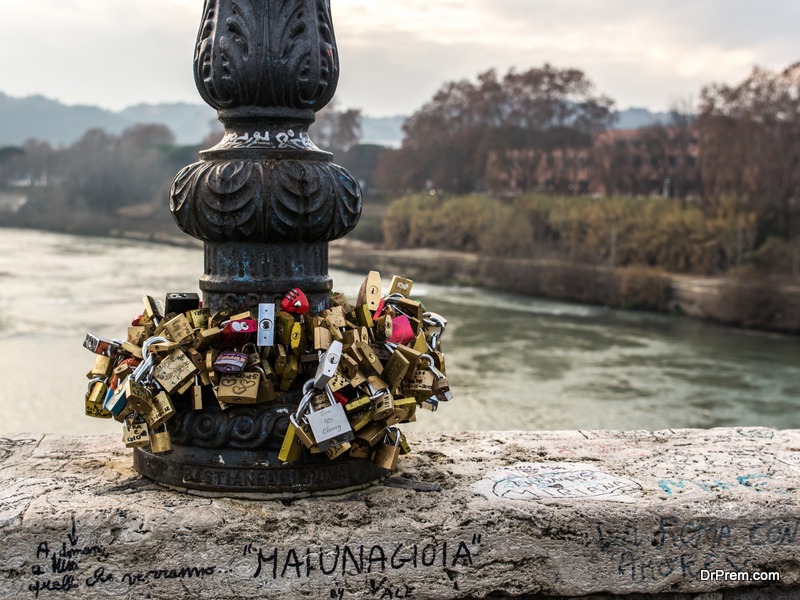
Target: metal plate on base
{"x":253,"y":473}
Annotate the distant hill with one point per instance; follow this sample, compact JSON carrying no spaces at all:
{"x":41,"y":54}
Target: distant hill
{"x":60,"y":124}
{"x":386,"y":131}
{"x":634,"y":118}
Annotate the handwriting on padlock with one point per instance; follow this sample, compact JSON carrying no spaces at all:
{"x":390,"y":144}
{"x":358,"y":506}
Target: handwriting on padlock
{"x":238,"y":385}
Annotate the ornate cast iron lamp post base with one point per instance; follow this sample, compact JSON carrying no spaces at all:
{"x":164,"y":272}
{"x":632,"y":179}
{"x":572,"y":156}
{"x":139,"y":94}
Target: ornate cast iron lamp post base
{"x":266,"y":202}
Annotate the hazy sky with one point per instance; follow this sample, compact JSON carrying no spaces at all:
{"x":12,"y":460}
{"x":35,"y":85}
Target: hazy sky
{"x":396,"y":53}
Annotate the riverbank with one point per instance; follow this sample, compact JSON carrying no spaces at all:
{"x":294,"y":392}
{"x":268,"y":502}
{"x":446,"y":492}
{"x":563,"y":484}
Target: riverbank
{"x":753,"y":301}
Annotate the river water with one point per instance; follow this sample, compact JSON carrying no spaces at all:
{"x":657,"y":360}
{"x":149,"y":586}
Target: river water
{"x":513,"y":362}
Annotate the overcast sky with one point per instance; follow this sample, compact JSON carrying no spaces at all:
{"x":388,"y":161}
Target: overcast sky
{"x":396,"y":53}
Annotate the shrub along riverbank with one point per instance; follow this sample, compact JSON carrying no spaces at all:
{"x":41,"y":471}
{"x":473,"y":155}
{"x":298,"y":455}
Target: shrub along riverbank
{"x":622,"y":252}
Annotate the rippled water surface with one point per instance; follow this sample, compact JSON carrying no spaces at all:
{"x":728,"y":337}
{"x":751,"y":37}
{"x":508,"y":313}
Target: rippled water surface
{"x":513,"y":362}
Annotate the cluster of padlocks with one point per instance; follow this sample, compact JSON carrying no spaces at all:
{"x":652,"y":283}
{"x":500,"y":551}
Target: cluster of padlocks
{"x":367,"y":368}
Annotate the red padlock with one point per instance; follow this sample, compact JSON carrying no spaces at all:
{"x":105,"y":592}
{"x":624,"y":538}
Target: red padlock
{"x":237,"y":333}
{"x":295,"y":302}
{"x":340,"y":398}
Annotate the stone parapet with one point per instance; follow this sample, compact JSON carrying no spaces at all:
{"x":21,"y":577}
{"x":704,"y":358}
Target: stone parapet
{"x":580,"y":514}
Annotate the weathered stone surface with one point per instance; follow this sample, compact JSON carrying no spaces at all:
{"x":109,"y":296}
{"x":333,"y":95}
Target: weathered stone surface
{"x":532,"y":514}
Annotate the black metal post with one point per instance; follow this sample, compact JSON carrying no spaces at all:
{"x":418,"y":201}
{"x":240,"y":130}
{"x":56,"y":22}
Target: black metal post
{"x":266,"y":202}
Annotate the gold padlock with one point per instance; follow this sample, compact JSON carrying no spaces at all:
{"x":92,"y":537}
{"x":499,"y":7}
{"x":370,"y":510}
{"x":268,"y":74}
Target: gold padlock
{"x":364,"y":316}
{"x":420,"y":344}
{"x":266,"y":390}
{"x":370,"y":291}
{"x":160,"y":443}
{"x":267,"y":372}
{"x":348,"y":365}
{"x":357,"y":404}
{"x":387,"y":453}
{"x":400,"y":285}
{"x":98,"y":389}
{"x":291,"y":448}
{"x":199,"y":317}
{"x":382,"y":405}
{"x":421,"y":386}
{"x":241,"y":316}
{"x":153,"y":309}
{"x":322,"y":338}
{"x":197,"y":395}
{"x":395,"y":370}
{"x":335,"y":318}
{"x":360,"y":420}
{"x":358,"y":379}
{"x":281,"y":360}
{"x":284,"y":322}
{"x":370,"y":363}
{"x":372,"y":434}
{"x":124,"y":369}
{"x":179,"y":329}
{"x":336,"y":451}
{"x":94,"y":399}
{"x":360,"y":449}
{"x":103,"y":366}
{"x":338,"y":381}
{"x":222,"y":315}
{"x":383,"y":327}
{"x":137,"y":334}
{"x":303,"y":432}
{"x":174,"y":370}
{"x":205,"y":338}
{"x":132,"y":350}
{"x":405,"y":447}
{"x":404,"y":408}
{"x":335,"y":332}
{"x":239,"y":388}
{"x":413,"y":356}
{"x":162,"y":410}
{"x":185,"y":387}
{"x":135,"y":434}
{"x":138,"y":396}
{"x":289,"y":373}
{"x":163,"y":349}
{"x":199,"y":361}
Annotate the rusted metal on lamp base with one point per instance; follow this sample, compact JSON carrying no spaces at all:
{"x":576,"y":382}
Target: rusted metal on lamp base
{"x":266,"y":202}
{"x":247,"y":273}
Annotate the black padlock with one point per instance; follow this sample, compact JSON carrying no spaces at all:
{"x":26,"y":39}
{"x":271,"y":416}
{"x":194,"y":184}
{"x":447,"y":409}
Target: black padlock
{"x":181,"y":302}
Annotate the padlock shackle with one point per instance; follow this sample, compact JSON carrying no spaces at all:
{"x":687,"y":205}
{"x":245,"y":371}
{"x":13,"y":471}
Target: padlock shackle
{"x":392,"y":430}
{"x":430,"y":318}
{"x":150,"y":342}
{"x":305,"y":402}
{"x":94,"y":380}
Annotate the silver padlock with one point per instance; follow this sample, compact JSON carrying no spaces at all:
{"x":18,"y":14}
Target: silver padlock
{"x":328,"y":364}
{"x":101,"y":346}
{"x":266,"y":325}
{"x":330,"y":425}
